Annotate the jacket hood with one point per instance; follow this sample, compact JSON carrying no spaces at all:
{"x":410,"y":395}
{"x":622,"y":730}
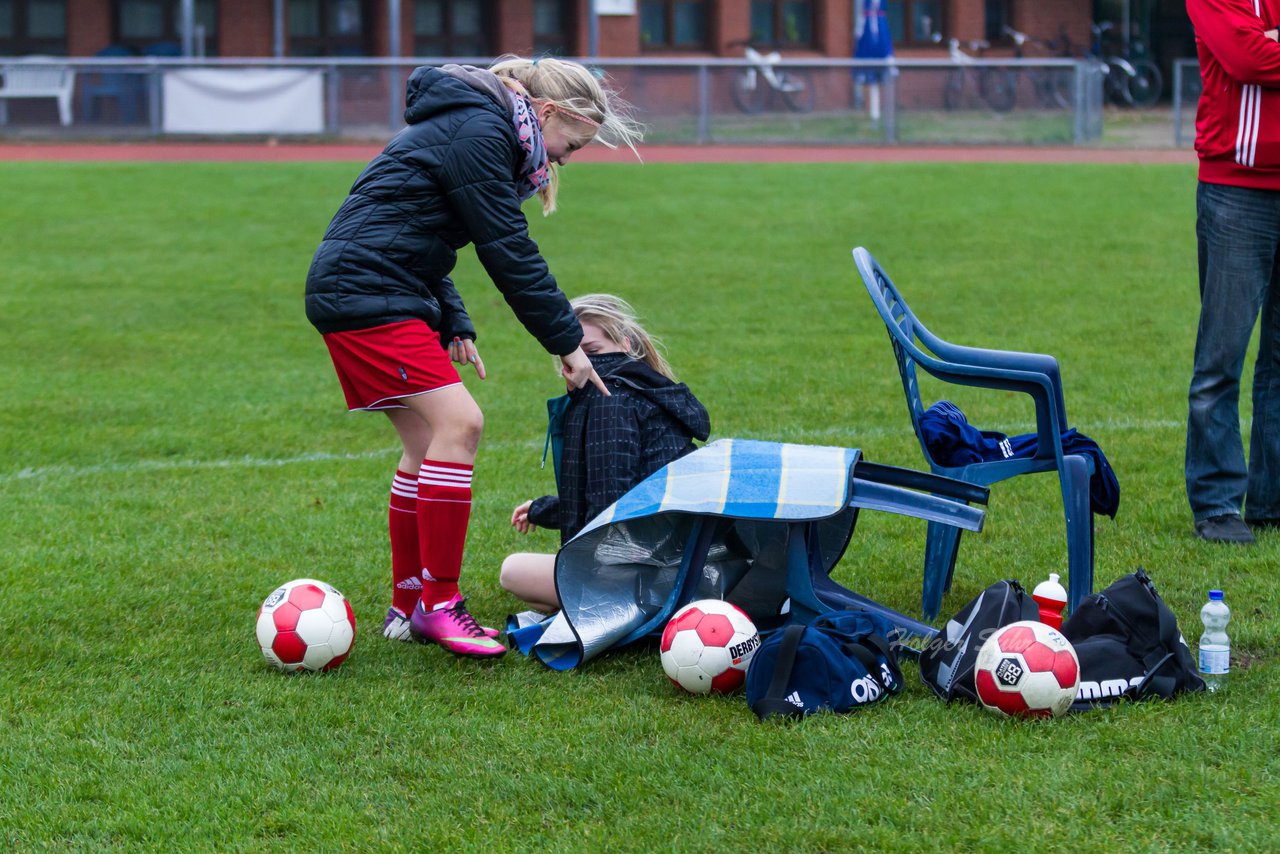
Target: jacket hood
{"x":673,"y":398}
{"x":431,"y":91}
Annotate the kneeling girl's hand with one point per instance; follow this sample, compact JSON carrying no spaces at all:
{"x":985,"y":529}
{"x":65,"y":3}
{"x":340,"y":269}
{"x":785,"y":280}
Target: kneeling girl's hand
{"x":520,"y":518}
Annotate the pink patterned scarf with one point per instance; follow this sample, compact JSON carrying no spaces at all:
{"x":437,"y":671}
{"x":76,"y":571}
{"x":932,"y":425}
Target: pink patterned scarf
{"x":535,"y":172}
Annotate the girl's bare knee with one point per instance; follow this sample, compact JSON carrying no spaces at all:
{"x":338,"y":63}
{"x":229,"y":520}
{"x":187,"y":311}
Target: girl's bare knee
{"x":471,"y":428}
{"x":509,"y":573}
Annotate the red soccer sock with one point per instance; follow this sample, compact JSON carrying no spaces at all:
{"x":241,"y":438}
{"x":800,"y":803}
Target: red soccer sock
{"x":444,"y":509}
{"x":402,"y":521}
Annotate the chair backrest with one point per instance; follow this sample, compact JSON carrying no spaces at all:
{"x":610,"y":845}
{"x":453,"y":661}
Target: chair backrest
{"x":23,"y":77}
{"x":164,"y":49}
{"x":903,"y":326}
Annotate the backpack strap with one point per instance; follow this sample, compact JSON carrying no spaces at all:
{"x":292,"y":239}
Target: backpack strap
{"x":1164,"y":652}
{"x":1162,"y":686}
{"x":772,"y":703}
{"x":863,"y":652}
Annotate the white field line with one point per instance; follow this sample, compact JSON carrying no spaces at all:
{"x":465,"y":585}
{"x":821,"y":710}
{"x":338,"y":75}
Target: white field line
{"x":786,"y":434}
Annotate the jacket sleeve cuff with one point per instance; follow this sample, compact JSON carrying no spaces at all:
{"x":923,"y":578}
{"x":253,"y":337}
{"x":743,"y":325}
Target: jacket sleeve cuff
{"x":564,"y":343}
{"x":545,"y":512}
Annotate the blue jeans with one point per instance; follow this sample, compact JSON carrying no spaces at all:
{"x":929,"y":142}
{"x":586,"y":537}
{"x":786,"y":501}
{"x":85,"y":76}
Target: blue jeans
{"x":1238,"y":237}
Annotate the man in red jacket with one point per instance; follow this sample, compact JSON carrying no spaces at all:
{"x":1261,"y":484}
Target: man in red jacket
{"x":1238,"y":237}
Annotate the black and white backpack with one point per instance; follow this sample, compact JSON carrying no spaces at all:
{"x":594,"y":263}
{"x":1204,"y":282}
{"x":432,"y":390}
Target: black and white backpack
{"x":946,"y":664}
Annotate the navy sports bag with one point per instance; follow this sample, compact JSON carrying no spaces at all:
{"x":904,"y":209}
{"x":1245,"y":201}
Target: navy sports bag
{"x":841,"y":661}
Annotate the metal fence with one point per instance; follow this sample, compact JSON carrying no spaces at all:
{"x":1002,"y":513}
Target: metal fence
{"x":1187,"y":86}
{"x":691,"y":101}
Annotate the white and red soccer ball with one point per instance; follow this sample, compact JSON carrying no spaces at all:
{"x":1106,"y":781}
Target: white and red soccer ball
{"x":306,"y":625}
{"x":707,"y":646}
{"x":1028,"y":670}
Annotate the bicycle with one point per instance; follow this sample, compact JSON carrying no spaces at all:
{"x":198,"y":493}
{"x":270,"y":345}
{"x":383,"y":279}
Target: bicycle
{"x":761,"y":81}
{"x":1130,"y":83}
{"x":1147,"y":85}
{"x":996,"y":86}
{"x":1052,"y":87}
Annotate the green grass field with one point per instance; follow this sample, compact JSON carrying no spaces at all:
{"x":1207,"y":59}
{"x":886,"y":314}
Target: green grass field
{"x":173,"y":445}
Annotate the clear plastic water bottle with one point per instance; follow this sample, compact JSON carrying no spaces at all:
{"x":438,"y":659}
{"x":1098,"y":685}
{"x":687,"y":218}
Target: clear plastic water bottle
{"x":1215,"y":646}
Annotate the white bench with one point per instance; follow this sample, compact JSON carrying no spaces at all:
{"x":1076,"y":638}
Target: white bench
{"x":37,"y":80}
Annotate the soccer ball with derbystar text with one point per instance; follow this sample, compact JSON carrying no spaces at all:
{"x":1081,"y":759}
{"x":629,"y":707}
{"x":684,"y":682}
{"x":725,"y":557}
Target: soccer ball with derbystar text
{"x":1027,"y":669}
{"x":707,"y":646}
{"x":306,"y":625}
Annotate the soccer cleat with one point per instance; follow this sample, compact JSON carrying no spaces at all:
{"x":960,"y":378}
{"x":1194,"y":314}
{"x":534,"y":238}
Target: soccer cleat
{"x":396,"y":627}
{"x":452,"y":626}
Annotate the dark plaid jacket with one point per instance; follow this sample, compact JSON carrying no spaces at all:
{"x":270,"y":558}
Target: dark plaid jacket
{"x":613,"y":443}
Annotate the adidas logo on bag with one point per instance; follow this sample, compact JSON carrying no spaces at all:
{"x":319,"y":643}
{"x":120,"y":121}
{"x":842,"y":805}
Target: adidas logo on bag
{"x":794,"y":699}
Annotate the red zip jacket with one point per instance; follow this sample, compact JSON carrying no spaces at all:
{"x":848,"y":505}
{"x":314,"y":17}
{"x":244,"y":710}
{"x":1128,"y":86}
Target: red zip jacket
{"x":1238,"y":118}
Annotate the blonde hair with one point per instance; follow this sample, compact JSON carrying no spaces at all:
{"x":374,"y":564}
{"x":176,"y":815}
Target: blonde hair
{"x":617,"y":320}
{"x":571,"y":88}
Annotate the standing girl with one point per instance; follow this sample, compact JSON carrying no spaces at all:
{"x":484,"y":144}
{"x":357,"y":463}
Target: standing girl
{"x":478,"y":143}
{"x":610,"y":443}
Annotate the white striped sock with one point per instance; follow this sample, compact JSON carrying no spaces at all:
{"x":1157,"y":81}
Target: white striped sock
{"x":406,"y":487}
{"x":430,"y":475}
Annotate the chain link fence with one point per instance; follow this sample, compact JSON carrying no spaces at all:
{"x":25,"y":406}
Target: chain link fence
{"x":685,"y":101}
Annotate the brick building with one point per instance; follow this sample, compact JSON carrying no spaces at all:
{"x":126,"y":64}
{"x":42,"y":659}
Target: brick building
{"x":302,"y":28}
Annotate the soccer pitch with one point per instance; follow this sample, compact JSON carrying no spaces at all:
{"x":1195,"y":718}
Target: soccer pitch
{"x":174,"y":446}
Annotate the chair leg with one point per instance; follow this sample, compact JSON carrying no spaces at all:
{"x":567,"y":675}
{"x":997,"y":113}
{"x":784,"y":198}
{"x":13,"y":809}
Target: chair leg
{"x":128,"y":108}
{"x":1079,"y":518}
{"x":64,"y":108}
{"x":942,"y":542}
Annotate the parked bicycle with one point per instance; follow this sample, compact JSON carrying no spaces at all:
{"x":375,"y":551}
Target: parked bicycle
{"x":1053,"y":87}
{"x":1132,"y":80}
{"x":761,"y":82}
{"x":995,"y":85}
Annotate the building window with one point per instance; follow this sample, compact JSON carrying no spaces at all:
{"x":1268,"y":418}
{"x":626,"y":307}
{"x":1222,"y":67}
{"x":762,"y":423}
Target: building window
{"x":673,"y":24}
{"x":997,"y":17}
{"x":553,"y":27}
{"x":913,"y":22}
{"x":782,"y":23}
{"x":452,"y":28}
{"x":33,"y":27}
{"x":155,"y":26}
{"x":328,"y":28}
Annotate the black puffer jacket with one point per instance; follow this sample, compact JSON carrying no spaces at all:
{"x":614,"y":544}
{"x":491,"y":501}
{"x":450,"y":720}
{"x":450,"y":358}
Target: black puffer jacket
{"x":613,"y":443}
{"x":446,"y":180}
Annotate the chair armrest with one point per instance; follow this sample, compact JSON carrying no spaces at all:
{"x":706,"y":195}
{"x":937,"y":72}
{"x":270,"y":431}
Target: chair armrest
{"x":1007,"y":359}
{"x":906,"y":502}
{"x":923,"y":481}
{"x":1039,"y":387}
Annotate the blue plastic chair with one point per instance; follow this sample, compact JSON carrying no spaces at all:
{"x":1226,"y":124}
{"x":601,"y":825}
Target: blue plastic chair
{"x":125,"y":87}
{"x":1037,"y":375}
